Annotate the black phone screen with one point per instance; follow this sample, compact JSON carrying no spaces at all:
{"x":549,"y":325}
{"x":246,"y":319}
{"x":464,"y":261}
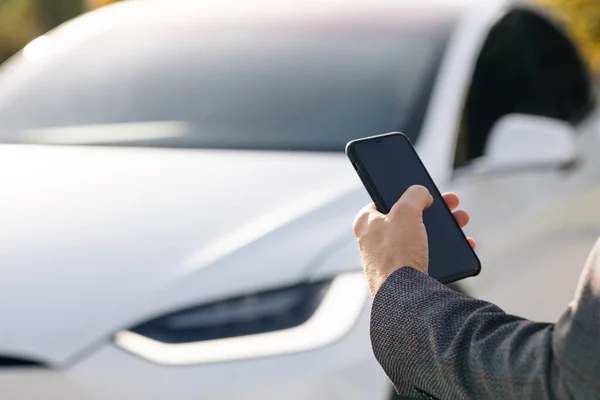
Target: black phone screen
{"x":390,"y":165}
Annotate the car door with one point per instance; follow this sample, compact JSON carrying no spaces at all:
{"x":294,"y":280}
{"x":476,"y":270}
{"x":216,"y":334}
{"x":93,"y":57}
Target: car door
{"x":534,"y":224}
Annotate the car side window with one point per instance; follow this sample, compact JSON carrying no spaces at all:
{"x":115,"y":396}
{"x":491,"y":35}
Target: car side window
{"x":527,"y":65}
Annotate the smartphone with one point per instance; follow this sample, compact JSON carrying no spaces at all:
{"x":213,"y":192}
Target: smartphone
{"x":388,"y":165}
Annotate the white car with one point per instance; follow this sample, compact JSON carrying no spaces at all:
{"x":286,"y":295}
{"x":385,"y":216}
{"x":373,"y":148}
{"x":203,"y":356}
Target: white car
{"x":176,"y":207}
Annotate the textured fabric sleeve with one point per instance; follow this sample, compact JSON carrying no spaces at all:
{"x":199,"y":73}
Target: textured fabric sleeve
{"x":431,"y":338}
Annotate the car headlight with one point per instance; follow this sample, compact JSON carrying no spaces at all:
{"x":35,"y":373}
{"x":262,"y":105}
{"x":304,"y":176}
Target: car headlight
{"x":276,"y":322}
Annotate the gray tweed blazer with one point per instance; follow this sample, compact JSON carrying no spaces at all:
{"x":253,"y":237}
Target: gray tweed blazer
{"x":438,"y":344}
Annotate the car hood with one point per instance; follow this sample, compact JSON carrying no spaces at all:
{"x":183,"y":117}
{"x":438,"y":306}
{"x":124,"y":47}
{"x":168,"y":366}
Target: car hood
{"x":95,"y":239}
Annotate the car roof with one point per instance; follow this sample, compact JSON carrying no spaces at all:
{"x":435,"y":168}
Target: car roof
{"x":428,"y":9}
{"x":308,"y":15}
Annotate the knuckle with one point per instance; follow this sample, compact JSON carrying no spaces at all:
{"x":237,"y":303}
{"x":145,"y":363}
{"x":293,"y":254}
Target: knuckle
{"x":377,"y":222}
{"x":359,"y":223}
{"x":366,"y":223}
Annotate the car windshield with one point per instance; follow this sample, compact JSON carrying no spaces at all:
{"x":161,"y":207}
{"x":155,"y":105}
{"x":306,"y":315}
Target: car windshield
{"x":168,"y":87}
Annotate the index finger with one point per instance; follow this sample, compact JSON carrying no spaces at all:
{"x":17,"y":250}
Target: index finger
{"x":416,"y":197}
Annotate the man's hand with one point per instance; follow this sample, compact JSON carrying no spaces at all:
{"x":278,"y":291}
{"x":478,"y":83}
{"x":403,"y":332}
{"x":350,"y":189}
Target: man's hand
{"x":398,"y":239}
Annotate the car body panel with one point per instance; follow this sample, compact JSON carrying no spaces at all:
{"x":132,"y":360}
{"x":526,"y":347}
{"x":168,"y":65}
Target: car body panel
{"x":153,"y":230}
{"x":536,"y":228}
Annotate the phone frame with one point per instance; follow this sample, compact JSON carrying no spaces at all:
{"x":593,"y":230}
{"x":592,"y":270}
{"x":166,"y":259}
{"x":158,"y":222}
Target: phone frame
{"x":377,"y":199}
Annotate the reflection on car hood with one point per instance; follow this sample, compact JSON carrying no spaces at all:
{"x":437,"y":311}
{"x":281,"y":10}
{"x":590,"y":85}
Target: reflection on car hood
{"x":97,"y":239}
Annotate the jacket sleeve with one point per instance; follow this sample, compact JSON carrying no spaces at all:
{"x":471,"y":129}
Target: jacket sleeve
{"x":430,"y":338}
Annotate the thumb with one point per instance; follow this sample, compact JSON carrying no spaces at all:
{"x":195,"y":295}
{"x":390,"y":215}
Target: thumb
{"x":416,"y":198}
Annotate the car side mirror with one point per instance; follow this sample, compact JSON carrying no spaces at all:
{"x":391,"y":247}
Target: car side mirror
{"x":522,"y":142}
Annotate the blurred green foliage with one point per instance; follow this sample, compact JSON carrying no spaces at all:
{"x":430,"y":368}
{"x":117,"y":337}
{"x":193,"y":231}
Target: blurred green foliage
{"x":23,"y":20}
{"x":583,"y":20}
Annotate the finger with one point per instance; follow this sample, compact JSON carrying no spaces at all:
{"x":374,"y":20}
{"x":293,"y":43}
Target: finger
{"x":451,"y":200}
{"x":472,"y":242}
{"x":416,"y":197}
{"x":363,"y":217}
{"x":462,"y":217}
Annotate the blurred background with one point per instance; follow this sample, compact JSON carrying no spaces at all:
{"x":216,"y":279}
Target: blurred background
{"x":23,"y":20}
{"x":175,"y":203}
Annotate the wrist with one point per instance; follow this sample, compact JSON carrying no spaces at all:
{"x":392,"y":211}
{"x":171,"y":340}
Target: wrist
{"x":379,"y":277}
